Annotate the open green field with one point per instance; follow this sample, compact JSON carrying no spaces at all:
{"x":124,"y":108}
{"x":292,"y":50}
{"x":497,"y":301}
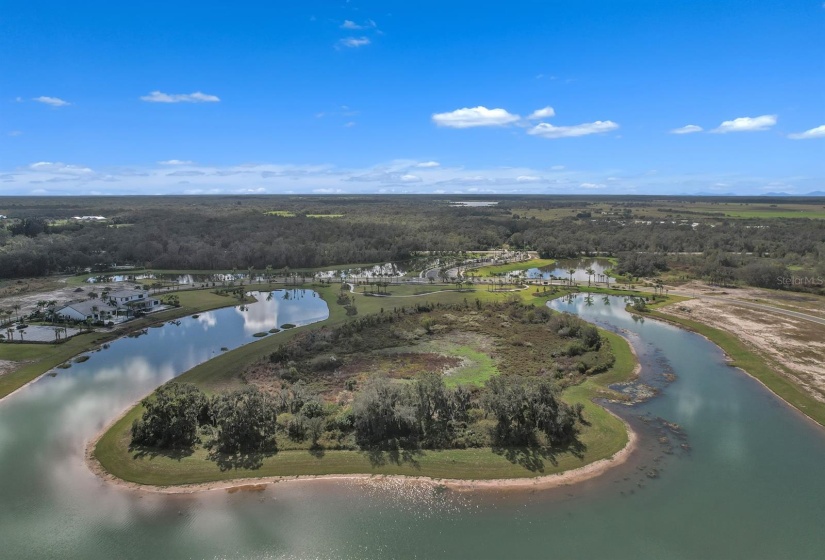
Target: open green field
{"x":689,"y":209}
{"x":501,"y":269}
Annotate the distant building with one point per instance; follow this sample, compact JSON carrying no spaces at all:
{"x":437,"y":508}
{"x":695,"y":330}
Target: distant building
{"x":90,"y":218}
{"x":92,"y":309}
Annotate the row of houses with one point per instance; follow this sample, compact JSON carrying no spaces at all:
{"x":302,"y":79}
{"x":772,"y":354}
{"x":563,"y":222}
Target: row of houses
{"x":117,"y":304}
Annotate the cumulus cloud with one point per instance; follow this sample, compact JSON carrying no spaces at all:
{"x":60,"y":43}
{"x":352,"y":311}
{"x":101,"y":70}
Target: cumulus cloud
{"x":354,"y":42}
{"x":53,"y":101}
{"x":176,"y":162}
{"x":196,"y":97}
{"x":817,"y":132}
{"x":546,"y":130}
{"x":687,"y":129}
{"x":746,"y":124}
{"x":428,"y":164}
{"x":409,"y":178}
{"x":527,"y":179}
{"x":476,"y":116}
{"x":544,"y":113}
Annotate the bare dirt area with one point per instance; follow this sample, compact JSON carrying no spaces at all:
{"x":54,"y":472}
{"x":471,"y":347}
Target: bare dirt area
{"x":798,"y":345}
{"x":800,"y":302}
{"x":27,"y":293}
{"x":7,"y":367}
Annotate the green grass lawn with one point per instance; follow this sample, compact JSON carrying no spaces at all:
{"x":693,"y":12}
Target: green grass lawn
{"x":501,"y":269}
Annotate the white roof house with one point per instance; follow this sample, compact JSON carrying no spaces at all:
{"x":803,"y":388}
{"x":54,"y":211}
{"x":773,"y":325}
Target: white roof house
{"x":135,"y":299}
{"x":89,"y":309}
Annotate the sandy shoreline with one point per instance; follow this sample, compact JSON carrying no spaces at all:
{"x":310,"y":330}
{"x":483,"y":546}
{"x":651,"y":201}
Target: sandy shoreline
{"x":569,"y":477}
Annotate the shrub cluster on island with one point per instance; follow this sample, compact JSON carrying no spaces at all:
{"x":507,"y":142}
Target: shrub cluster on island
{"x":358,"y":387}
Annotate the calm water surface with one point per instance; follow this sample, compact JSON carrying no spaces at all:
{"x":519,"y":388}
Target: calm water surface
{"x":750,"y":486}
{"x":560,"y":270}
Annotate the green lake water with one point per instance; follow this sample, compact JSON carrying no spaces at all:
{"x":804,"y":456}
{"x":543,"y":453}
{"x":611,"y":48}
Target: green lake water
{"x":748,"y":482}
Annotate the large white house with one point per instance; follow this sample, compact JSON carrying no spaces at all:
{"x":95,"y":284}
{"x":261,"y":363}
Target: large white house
{"x":122,"y":303}
{"x":92,"y":309}
{"x":134,"y":300}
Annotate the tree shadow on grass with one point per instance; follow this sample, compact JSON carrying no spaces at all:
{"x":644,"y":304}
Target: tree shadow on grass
{"x":317,"y":451}
{"x":532,"y":457}
{"x":381,"y":456}
{"x":147,"y":452}
{"x":240,"y":460}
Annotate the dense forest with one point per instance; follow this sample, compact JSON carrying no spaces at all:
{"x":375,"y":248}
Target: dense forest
{"x":40,"y":237}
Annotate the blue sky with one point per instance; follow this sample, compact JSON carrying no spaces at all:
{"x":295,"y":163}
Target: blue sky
{"x":470,"y":97}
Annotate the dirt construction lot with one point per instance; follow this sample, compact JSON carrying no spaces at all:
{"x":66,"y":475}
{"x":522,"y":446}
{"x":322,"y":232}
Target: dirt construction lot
{"x":795,"y":345}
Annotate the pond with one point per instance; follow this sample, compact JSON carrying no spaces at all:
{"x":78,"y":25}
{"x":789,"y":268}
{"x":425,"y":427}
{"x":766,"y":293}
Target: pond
{"x":747,"y":484}
{"x":560,"y":269}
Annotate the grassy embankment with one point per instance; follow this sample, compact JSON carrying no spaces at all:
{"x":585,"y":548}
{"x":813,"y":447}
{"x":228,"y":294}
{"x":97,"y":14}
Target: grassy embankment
{"x":755,"y":365}
{"x":604,"y":436}
{"x":37,"y":359}
{"x":502,"y":269}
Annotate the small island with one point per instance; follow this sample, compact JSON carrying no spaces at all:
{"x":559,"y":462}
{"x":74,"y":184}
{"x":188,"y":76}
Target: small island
{"x":468,"y":390}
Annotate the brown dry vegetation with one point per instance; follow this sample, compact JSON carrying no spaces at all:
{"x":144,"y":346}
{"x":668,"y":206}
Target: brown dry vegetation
{"x":466,"y":347}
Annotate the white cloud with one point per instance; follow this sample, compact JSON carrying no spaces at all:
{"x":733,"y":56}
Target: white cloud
{"x":15,"y":133}
{"x":53,"y":101}
{"x":349,"y":24}
{"x":687,"y":129}
{"x":817,"y":132}
{"x":544,"y":113}
{"x":176,"y":162}
{"x":350,"y":124}
{"x":59,"y":167}
{"x":196,"y":97}
{"x":746,"y":124}
{"x":546,"y":130}
{"x":476,"y":116}
{"x":354,"y":42}
{"x":557,"y":167}
{"x":428,"y":164}
{"x":394,"y":176}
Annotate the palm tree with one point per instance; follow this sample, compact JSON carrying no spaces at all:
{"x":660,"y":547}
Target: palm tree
{"x":590,"y":272}
{"x":571,"y":272}
{"x":16,"y":307}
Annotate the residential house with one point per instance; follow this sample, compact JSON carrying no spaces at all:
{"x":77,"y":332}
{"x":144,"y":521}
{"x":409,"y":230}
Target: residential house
{"x":132,"y":300}
{"x":91,"y":309}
